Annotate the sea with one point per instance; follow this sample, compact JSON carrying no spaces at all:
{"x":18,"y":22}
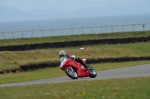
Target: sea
{"x":74,"y":26}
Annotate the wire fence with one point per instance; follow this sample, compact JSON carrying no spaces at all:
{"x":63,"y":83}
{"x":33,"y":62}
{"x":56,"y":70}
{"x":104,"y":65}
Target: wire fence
{"x":75,"y":31}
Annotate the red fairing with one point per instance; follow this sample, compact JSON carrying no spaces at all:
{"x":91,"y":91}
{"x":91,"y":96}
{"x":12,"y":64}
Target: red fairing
{"x":69,"y":55}
{"x":67,"y":63}
{"x":80,"y":69}
{"x":72,"y":63}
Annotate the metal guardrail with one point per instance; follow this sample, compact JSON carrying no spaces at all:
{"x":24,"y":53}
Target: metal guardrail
{"x":75,"y":31}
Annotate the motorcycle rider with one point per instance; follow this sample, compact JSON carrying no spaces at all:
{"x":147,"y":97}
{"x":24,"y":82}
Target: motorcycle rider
{"x":63,"y":55}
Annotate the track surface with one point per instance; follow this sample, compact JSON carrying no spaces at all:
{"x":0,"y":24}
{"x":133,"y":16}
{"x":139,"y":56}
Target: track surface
{"x":135,"y":71}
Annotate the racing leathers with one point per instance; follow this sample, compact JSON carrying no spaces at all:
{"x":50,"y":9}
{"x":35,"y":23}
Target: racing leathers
{"x":70,"y":56}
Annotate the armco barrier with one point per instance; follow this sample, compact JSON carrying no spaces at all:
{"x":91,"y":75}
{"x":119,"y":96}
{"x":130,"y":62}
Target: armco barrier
{"x":73,"y":43}
{"x":89,"y":61}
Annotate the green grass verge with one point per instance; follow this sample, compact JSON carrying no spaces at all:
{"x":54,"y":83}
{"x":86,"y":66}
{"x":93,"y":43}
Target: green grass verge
{"x":144,"y":47}
{"x":13,"y":59}
{"x":72,"y":38}
{"x":128,"y":88}
{"x":55,"y":72}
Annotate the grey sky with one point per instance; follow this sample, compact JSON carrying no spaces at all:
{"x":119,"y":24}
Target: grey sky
{"x":61,"y":5}
{"x":45,"y":9}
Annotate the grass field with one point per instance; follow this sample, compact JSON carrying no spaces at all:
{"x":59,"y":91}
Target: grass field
{"x":13,"y":59}
{"x":56,"y":72}
{"x":128,"y":88}
{"x":73,"y":38}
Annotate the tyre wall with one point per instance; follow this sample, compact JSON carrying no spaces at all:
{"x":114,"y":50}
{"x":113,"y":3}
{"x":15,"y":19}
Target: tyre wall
{"x":73,"y":43}
{"x":28,"y":67}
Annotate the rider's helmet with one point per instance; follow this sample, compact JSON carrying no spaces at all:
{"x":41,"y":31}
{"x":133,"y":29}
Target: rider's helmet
{"x":62,"y":53}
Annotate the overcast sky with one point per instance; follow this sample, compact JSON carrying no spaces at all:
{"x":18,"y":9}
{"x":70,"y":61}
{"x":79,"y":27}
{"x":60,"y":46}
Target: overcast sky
{"x":60,"y":5}
{"x":42,"y":8}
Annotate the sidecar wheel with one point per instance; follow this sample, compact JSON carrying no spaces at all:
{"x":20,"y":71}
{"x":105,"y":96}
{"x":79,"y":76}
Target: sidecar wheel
{"x":71,"y":73}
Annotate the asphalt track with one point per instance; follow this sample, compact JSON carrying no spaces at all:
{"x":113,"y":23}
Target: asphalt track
{"x":135,"y":71}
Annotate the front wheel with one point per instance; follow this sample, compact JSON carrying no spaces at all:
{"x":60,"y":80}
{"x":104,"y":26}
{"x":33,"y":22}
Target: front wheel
{"x":92,"y":72}
{"x":71,"y":73}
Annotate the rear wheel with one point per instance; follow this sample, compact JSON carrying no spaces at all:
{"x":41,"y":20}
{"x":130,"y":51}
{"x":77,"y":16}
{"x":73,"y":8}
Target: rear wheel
{"x":93,"y":72}
{"x":71,"y":73}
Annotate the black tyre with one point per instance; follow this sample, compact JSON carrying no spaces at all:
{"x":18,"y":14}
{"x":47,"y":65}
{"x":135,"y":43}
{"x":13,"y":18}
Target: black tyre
{"x":93,"y":72}
{"x":71,"y":73}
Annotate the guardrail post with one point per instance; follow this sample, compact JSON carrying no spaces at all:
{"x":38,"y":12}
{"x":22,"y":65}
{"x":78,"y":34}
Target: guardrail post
{"x":72,"y":30}
{"x":3,"y":35}
{"x":13,"y":35}
{"x":42,"y":33}
{"x":122,"y":28}
{"x":112,"y":29}
{"x":92,"y":30}
{"x":22,"y":35}
{"x":102,"y":29}
{"x":52,"y":32}
{"x":82,"y":30}
{"x":62,"y":32}
{"x":32,"y":33}
{"x":143,"y":27}
{"x":133,"y":27}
